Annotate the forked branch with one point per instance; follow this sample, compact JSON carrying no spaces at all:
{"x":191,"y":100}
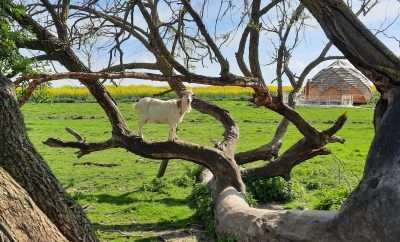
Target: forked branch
{"x":303,"y":150}
{"x":80,"y":143}
{"x":222,"y":166}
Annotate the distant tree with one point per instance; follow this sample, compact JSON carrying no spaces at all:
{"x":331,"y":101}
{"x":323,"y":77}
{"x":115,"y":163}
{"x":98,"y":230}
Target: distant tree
{"x":371,"y":212}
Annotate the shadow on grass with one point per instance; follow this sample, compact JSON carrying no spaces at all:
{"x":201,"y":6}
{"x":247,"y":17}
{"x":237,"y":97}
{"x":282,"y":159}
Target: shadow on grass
{"x":180,"y":235}
{"x":125,"y":199}
{"x":134,"y":227}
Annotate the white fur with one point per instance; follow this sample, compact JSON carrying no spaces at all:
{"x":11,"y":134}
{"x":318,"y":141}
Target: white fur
{"x":158,"y":111}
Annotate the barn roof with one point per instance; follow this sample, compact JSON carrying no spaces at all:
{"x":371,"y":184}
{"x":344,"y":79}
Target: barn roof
{"x":340,"y":74}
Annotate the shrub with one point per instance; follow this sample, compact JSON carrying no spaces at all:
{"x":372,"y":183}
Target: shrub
{"x":250,"y":199}
{"x":200,"y":200}
{"x":40,"y":95}
{"x":274,"y":189}
{"x":312,"y":185}
{"x":375,"y":97}
{"x":183,"y":181}
{"x":159,"y":185}
{"x":332,"y":198}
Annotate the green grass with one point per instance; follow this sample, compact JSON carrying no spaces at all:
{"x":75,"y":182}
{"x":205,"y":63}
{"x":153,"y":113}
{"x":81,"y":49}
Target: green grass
{"x":127,"y":198}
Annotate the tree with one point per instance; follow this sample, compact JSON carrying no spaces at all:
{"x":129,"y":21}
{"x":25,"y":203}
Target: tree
{"x":25,"y":165}
{"x":20,"y":159}
{"x":360,"y":219}
{"x":20,"y":217}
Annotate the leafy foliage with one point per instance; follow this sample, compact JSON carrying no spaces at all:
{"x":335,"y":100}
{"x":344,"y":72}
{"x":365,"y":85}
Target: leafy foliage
{"x":40,"y":95}
{"x":159,"y":185}
{"x":200,"y":200}
{"x":183,"y":181}
{"x":11,"y":61}
{"x":332,"y":198}
{"x":274,"y":189}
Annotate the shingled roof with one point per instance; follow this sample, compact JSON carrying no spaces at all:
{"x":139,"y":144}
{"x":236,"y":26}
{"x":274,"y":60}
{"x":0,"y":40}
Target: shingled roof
{"x":340,"y":74}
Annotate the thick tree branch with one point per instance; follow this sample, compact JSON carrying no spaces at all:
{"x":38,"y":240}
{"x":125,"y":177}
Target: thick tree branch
{"x":29,"y":44}
{"x":84,"y":148}
{"x":59,"y":21}
{"x":265,"y":152}
{"x":230,"y":80}
{"x":65,"y":55}
{"x":254,"y":40}
{"x":242,"y":44}
{"x":240,"y":53}
{"x":223,"y":167}
{"x":352,"y":38}
{"x":231,"y":130}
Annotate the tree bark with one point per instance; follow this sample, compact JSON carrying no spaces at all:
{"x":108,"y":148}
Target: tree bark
{"x":372,"y":211}
{"x":21,"y":160}
{"x":20,"y":218}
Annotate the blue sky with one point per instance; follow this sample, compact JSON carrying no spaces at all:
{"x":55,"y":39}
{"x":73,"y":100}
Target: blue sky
{"x":312,"y":42}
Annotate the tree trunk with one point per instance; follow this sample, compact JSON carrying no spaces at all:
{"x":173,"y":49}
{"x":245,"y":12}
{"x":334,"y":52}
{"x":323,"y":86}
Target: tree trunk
{"x":21,"y":160}
{"x":372,"y":211}
{"x":20,"y":218}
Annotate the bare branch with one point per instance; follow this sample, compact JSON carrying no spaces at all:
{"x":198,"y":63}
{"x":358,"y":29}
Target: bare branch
{"x":268,"y":7}
{"x":230,"y":80}
{"x":254,"y":40}
{"x":163,"y":93}
{"x":240,"y":53}
{"x":74,"y":133}
{"x":221,"y":59}
{"x":133,"y":65}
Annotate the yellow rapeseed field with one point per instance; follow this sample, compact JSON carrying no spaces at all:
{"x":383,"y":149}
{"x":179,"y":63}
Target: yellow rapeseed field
{"x":150,"y":90}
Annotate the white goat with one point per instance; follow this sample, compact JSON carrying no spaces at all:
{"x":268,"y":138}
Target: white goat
{"x":170,"y":112}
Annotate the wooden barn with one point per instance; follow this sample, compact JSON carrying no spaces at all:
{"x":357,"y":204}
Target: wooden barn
{"x":338,"y":84}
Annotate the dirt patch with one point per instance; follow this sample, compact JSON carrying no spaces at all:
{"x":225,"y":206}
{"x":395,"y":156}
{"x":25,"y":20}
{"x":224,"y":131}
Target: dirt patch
{"x":186,"y":235}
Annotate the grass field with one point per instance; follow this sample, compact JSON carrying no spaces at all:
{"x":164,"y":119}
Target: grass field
{"x":125,"y":199}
